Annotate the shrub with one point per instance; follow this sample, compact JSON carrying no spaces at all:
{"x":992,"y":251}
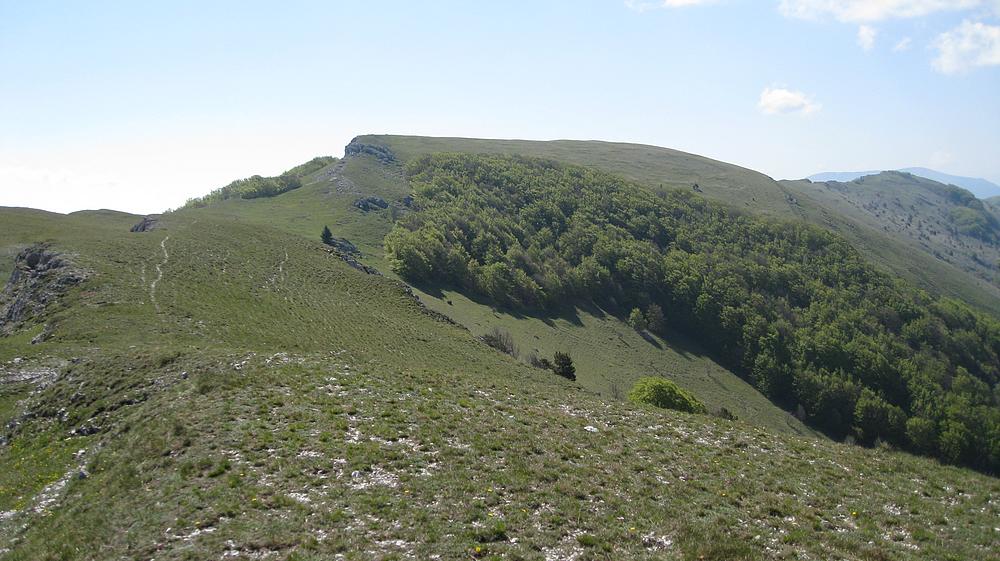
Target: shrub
{"x":636,"y":320}
{"x":726,"y":414}
{"x":564,"y":366}
{"x":537,"y":362}
{"x":660,"y":392}
{"x":501,"y":340}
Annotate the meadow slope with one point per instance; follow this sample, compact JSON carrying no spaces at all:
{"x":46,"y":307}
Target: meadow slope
{"x":282,"y":405}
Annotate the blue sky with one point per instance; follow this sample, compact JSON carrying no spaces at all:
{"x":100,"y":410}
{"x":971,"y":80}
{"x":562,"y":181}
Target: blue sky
{"x":140,"y":105}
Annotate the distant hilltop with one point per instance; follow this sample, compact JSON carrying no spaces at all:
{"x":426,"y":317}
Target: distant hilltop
{"x":981,"y":188}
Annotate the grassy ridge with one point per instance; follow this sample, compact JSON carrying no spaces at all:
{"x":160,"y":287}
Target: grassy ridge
{"x":913,"y":225}
{"x":735,"y":186}
{"x":610,"y":356}
{"x":653,"y":166}
{"x":299,"y":409}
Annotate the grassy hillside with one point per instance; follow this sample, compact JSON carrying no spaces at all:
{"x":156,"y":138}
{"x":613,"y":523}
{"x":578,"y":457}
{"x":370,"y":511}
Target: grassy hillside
{"x":610,"y":356}
{"x":261,"y":399}
{"x":791,"y":307}
{"x":938,"y":235}
{"x":732,"y":185}
{"x":651,"y":165}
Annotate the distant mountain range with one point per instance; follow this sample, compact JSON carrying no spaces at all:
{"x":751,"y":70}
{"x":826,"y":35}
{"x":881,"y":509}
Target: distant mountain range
{"x":981,"y":188}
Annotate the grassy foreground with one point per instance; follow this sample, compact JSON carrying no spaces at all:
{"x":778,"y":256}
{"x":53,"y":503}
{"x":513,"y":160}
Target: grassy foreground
{"x":266,"y":401}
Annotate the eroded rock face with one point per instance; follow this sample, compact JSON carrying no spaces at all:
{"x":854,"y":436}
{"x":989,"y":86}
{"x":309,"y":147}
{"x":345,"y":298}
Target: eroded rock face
{"x":381,"y":153}
{"x":345,"y":246}
{"x":147,"y":224}
{"x":40,"y":277}
{"x":351,"y":259}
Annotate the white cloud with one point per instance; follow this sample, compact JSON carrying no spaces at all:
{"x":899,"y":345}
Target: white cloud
{"x":856,"y":11}
{"x":774,"y":101}
{"x":967,"y":46}
{"x":866,"y":37}
{"x":902,"y":45}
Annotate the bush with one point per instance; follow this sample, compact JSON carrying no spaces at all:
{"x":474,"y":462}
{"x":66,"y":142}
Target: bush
{"x":726,"y":414}
{"x":662,"y":393}
{"x":501,"y":340}
{"x":539,"y":362}
{"x":564,"y":366}
{"x":636,"y":320}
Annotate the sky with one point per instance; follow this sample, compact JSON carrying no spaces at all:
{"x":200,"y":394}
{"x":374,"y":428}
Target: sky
{"x":138,"y":106}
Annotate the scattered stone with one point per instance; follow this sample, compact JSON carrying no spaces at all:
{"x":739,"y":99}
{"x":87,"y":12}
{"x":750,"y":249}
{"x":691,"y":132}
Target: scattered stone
{"x":44,"y":335}
{"x":85,"y":430}
{"x":352,"y":260}
{"x":589,"y":428}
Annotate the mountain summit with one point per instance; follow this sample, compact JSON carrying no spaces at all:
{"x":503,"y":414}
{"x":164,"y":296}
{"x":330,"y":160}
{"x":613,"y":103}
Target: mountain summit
{"x":979,"y":187}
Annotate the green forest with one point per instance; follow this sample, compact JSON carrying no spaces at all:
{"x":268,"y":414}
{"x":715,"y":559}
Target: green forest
{"x":791,"y":307}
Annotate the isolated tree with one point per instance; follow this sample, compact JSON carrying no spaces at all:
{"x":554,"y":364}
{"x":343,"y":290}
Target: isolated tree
{"x":654,"y":318}
{"x":636,"y":320}
{"x":564,"y":366}
{"x":327,"y":236}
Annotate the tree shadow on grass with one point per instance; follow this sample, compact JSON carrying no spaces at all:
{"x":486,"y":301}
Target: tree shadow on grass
{"x":675,"y":341}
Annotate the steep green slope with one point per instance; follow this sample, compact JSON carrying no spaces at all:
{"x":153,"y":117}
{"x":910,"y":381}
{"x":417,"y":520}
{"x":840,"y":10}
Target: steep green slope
{"x":738,"y":187}
{"x":791,"y":307}
{"x":224,"y":389}
{"x":610,"y":356}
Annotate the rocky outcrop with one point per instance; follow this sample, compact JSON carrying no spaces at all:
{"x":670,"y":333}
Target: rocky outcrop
{"x":148,"y":223}
{"x":39,"y":278}
{"x":371,"y":203}
{"x":352,"y":260}
{"x":380,"y":153}
{"x":344,"y":245}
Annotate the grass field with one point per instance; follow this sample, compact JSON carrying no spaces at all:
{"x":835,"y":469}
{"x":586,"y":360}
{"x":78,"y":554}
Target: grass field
{"x":283,"y":405}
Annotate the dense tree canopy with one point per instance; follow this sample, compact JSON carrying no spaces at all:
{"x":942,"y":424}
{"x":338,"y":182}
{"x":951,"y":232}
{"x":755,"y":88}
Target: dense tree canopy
{"x":793,"y":308}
